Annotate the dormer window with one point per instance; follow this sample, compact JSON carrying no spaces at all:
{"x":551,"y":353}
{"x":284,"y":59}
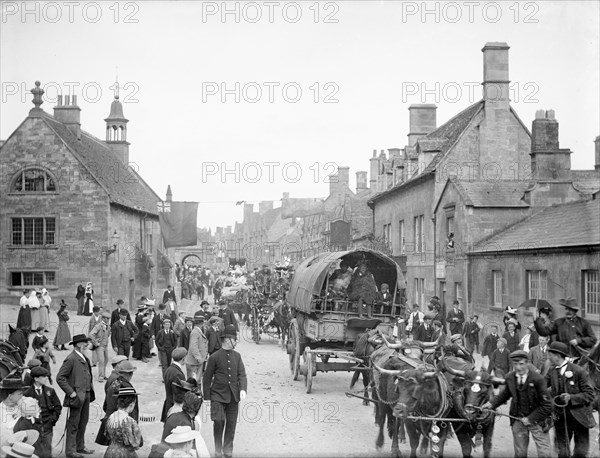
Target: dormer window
{"x":33,"y":180}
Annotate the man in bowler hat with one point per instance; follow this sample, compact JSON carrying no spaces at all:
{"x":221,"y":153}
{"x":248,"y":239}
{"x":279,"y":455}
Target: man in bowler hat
{"x":571,"y":384}
{"x":75,"y":379}
{"x":224,"y":385}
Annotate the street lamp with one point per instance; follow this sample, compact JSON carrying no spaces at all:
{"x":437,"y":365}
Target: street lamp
{"x":115,"y":238}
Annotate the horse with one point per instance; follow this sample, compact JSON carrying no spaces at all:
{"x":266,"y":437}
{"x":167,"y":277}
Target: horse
{"x":282,"y":318}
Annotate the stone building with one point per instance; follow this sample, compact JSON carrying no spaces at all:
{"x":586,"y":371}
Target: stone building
{"x":486,"y":141}
{"x":73,"y":209}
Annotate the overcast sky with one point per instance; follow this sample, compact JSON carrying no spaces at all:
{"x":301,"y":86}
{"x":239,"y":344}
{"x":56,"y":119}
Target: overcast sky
{"x":317,"y":84}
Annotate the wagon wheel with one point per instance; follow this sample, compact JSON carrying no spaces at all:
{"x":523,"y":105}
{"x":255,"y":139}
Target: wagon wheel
{"x":294,"y":349}
{"x":255,"y":326}
{"x":310,"y":359}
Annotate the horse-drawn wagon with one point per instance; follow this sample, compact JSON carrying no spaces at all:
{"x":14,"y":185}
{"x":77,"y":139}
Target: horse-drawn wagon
{"x":327,"y":308}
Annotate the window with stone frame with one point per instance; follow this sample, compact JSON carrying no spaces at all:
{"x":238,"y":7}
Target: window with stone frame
{"x":402,"y":236}
{"x":420,"y":291}
{"x":33,"y":180}
{"x":419,"y":234}
{"x":33,"y":278}
{"x":497,"y":279}
{"x":537,"y":284}
{"x":591,"y":293}
{"x":33,"y":231}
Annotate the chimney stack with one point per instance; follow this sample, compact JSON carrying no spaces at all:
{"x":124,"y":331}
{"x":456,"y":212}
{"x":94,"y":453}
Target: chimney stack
{"x":495,"y":75}
{"x":361,"y":181}
{"x":548,"y":161}
{"x":597,"y":143}
{"x":265,"y":206}
{"x":422,"y":120}
{"x":344,"y":177}
{"x":69,"y":114}
{"x":374,"y":169}
{"x":248,"y":210}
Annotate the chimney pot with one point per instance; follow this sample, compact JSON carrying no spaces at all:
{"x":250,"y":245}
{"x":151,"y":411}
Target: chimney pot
{"x":540,"y":114}
{"x":74,"y":101}
{"x":59,"y":101}
{"x":550,"y":114}
{"x":67,"y":100}
{"x":597,"y":144}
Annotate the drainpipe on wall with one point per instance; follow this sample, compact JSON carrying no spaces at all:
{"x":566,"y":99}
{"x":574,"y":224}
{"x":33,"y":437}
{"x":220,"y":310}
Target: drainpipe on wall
{"x":434,"y":257}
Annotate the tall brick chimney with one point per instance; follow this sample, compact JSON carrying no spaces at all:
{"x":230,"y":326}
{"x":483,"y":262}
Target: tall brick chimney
{"x":344,"y":176}
{"x":495,"y":76}
{"x":374,"y":171}
{"x":361,"y":181}
{"x":597,"y":144}
{"x":69,"y":114}
{"x":548,"y":161}
{"x":422,"y":120}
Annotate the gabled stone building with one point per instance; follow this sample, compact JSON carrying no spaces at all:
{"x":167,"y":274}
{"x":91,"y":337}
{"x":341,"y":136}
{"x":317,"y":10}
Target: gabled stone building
{"x":73,"y":209}
{"x":486,"y":141}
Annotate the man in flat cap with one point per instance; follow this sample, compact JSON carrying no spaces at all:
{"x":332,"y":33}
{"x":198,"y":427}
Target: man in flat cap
{"x":572,"y":330}
{"x":99,"y":336}
{"x":424,"y":332}
{"x":530,"y":403}
{"x":571,"y":384}
{"x":174,"y":373}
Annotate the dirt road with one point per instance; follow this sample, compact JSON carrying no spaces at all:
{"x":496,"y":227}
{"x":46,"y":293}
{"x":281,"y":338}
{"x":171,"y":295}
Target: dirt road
{"x":277,"y":418}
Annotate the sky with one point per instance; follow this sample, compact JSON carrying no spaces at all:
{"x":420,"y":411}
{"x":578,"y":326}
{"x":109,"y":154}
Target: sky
{"x":242,"y":101}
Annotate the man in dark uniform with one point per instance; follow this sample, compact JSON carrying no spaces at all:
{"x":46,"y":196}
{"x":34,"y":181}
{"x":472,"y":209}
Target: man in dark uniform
{"x":572,"y":384}
{"x":123,"y":332}
{"x":530,"y":403}
{"x":50,"y":406}
{"x":224,"y":385}
{"x":75,"y":379}
{"x":455,"y":319}
{"x":572,"y":330}
{"x":114,"y":316}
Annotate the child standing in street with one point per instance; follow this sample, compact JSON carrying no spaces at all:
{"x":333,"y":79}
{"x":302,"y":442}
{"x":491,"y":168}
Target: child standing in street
{"x":44,"y":354}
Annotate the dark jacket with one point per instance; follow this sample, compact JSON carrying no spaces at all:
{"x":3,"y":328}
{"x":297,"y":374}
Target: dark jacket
{"x":224,"y":377}
{"x":157,"y":322}
{"x":166,"y":341}
{"x":538,"y":404}
{"x":75,"y":375}
{"x":214,"y":340}
{"x":80,"y":292}
{"x":567,"y":330}
{"x":500,"y":360}
{"x":174,"y":420}
{"x":423,"y":335}
{"x":579,"y":388}
{"x":115,"y":316}
{"x":455,"y":320}
{"x":228,"y":318}
{"x":489,"y":344}
{"x":169,"y":296}
{"x":111,"y":399}
{"x":122,"y":333}
{"x":172,"y":374}
{"x":184,"y":338}
{"x":512,"y":342}
{"x":50,"y":406}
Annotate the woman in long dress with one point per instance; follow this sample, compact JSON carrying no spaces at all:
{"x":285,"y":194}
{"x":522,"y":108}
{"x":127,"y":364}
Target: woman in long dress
{"x":34,"y":305}
{"x":45,"y":310}
{"x":24,"y":318}
{"x":89,"y":300}
{"x":63,"y":335}
{"x":123,"y":431}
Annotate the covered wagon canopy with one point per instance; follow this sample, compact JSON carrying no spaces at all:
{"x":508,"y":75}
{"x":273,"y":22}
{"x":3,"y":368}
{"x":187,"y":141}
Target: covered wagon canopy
{"x":310,"y":276}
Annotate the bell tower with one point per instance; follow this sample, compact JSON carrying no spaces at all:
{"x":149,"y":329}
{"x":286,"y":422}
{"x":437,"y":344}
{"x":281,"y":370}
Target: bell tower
{"x":116,"y":128}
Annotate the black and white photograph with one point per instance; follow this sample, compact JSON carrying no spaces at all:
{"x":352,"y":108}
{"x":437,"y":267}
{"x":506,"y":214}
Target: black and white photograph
{"x":311,"y":228}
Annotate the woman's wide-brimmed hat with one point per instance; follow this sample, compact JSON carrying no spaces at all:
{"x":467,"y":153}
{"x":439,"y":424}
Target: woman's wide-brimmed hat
{"x":20,"y":449}
{"x":27,"y":436}
{"x":181,"y":434}
{"x":127,"y":391}
{"x":79,"y":338}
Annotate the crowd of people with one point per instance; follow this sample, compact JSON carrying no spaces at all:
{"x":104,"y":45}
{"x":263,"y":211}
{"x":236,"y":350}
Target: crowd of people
{"x":544,"y":385}
{"x":198,"y":364}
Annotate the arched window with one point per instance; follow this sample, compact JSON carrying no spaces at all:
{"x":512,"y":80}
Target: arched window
{"x":33,"y":180}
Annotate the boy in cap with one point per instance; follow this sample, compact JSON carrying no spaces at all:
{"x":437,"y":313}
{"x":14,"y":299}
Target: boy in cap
{"x":572,"y":385}
{"x":116,"y":313}
{"x":174,"y":373}
{"x":50,"y":407}
{"x":489,"y":344}
{"x":225,"y":384}
{"x":530,"y":403}
{"x":500,"y":359}
{"x":424,"y":333}
{"x":166,"y":342}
